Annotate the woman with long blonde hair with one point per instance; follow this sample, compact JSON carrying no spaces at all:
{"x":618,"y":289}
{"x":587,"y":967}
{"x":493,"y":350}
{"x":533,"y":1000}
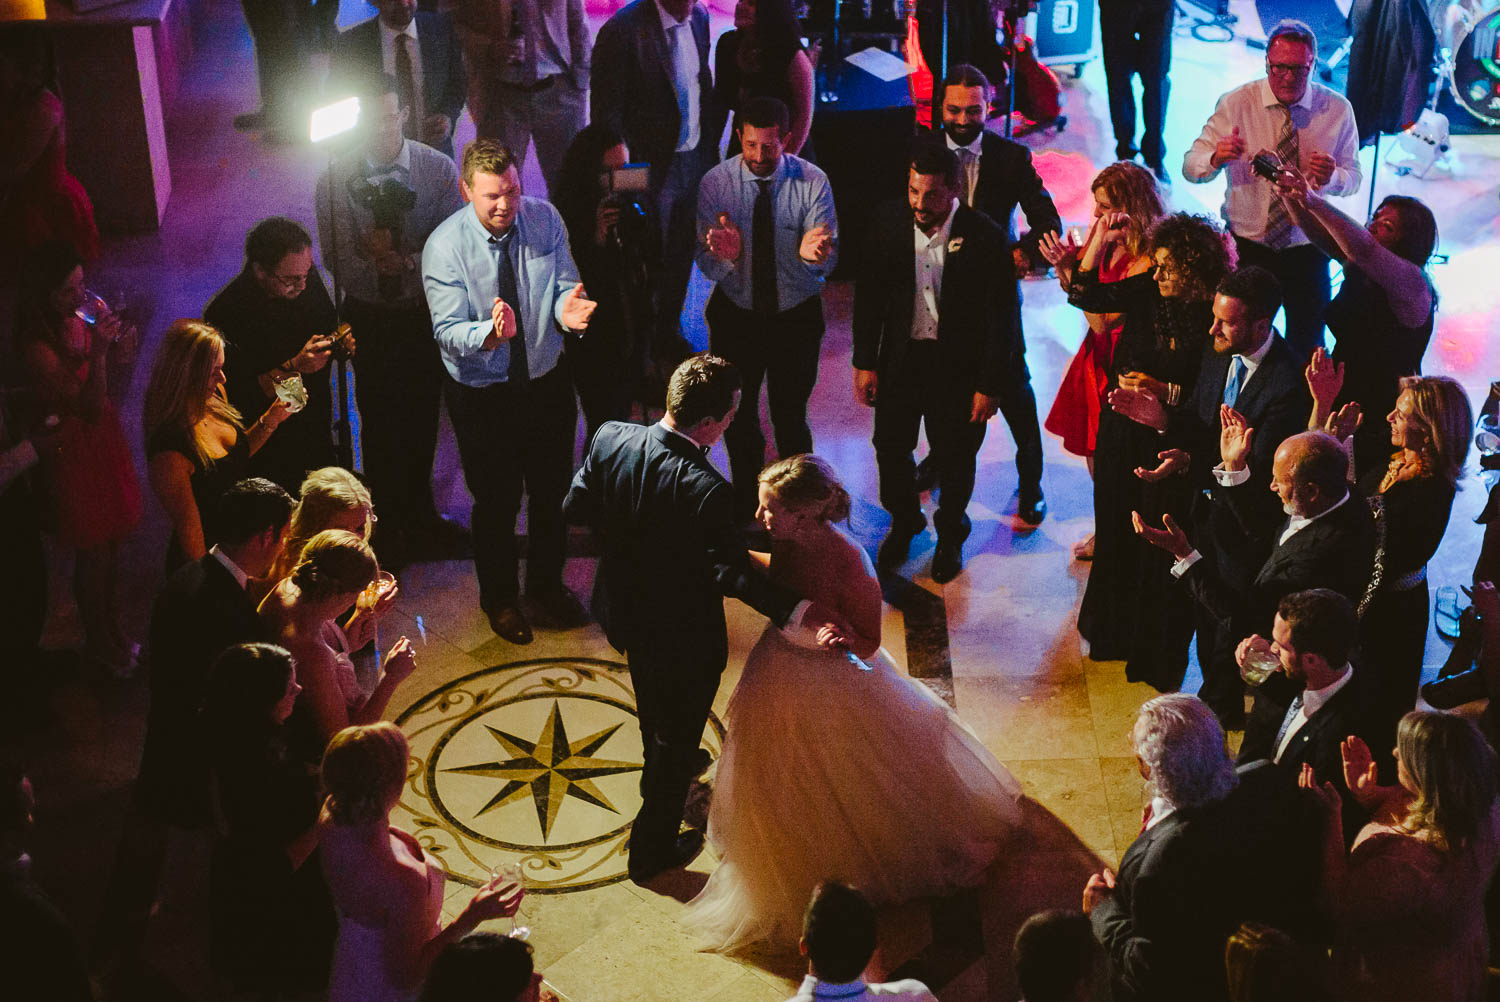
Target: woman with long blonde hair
{"x":1118,"y":248}
{"x":196,"y":443}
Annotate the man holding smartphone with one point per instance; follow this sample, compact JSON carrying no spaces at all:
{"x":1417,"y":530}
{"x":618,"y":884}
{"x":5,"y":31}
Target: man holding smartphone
{"x":278,"y":320}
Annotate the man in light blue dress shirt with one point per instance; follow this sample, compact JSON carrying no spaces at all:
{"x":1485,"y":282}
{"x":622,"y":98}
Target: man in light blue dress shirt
{"x":769,"y":242}
{"x":502,"y":287}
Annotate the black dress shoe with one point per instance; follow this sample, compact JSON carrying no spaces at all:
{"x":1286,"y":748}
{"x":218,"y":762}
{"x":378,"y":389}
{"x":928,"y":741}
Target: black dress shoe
{"x":1160,"y":172}
{"x":442,"y":539}
{"x":947,"y":560}
{"x":1455,"y":690}
{"x":927,"y":476}
{"x":556,"y":608}
{"x":509,"y":623}
{"x":1032,"y":508}
{"x":682,"y":851}
{"x":250,"y":120}
{"x":897,"y":543}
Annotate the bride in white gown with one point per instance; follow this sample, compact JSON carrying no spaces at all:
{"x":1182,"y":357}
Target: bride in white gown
{"x":830,"y":770}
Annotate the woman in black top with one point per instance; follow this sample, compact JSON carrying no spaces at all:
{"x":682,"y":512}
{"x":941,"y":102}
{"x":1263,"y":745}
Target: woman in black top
{"x":1411,"y":493}
{"x":196,"y":445}
{"x":762,"y":56}
{"x":271,"y":920}
{"x":1383,"y":315}
{"x":1132,"y":608}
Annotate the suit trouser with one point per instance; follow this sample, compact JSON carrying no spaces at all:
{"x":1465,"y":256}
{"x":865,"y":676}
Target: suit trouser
{"x":924,"y":393}
{"x":284,"y":32}
{"x":782,"y":351}
{"x":512,"y":440}
{"x":673,"y":702}
{"x":1137,"y":39}
{"x":1303,"y":273}
{"x":677,"y":211}
{"x":1018,"y":407}
{"x":399,"y":385}
{"x":550,"y":116}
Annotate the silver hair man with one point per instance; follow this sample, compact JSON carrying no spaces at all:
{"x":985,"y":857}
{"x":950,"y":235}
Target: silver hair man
{"x":1180,"y":746}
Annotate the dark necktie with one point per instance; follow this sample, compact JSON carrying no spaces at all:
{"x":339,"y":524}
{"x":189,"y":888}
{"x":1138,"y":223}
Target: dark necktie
{"x":967,"y":161}
{"x":763,"y":253}
{"x":519,"y":373}
{"x":406,"y":84}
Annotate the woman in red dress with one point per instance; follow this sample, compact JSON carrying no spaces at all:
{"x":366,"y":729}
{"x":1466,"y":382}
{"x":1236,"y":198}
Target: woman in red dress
{"x":90,"y":497}
{"x":1121,"y":187}
{"x":40,"y":201}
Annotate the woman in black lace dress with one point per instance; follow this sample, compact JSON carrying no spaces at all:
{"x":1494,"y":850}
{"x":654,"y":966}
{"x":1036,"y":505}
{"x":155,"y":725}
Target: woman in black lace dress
{"x":1132,"y":608}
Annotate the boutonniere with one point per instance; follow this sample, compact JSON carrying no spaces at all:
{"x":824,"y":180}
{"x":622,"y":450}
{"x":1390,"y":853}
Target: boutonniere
{"x":955,"y":245}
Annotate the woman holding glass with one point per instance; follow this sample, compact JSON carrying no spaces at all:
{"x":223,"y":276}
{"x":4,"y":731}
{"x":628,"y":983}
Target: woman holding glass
{"x":336,"y":570}
{"x":197,"y":446}
{"x":1118,"y":253}
{"x":1407,"y":899}
{"x":387,"y":890}
{"x":90,"y":497}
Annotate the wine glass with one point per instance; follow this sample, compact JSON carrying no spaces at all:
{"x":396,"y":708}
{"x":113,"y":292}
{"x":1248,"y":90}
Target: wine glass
{"x":511,"y":879}
{"x":373,"y":592}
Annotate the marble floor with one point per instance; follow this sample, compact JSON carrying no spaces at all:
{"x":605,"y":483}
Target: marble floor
{"x":529,"y":754}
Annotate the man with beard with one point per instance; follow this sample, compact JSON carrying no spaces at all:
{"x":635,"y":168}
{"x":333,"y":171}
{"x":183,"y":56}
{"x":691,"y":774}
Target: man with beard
{"x":996,"y":176}
{"x":768,"y":242}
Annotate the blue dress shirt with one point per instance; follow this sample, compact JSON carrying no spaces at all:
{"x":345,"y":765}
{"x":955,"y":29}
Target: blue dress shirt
{"x":460,"y":273}
{"x":801,"y":199}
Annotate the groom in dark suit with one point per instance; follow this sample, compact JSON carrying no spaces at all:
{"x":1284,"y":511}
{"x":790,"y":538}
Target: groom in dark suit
{"x":420,"y":50}
{"x":936,"y":341}
{"x":664,"y":516}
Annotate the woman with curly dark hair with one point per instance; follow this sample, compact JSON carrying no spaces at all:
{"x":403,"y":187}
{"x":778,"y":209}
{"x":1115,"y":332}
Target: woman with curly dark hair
{"x":1130,"y":610}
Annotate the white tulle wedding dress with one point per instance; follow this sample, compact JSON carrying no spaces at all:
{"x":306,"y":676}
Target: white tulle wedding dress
{"x":830,"y":771}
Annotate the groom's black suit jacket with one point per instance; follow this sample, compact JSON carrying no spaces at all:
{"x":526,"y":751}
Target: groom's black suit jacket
{"x":664,"y":516}
{"x":979,"y":334}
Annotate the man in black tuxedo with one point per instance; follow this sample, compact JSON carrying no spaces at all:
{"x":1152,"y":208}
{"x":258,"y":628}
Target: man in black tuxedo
{"x":203,"y":608}
{"x":665,"y":518}
{"x":1313,"y":638}
{"x":1217,"y":848}
{"x":935,"y":342}
{"x":420,"y":50}
{"x":1326,"y":541}
{"x":652,"y":85}
{"x":996,"y":176}
{"x":1249,"y":367}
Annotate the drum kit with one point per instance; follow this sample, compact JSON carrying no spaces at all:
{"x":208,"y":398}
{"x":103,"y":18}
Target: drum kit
{"x":1468,"y":52}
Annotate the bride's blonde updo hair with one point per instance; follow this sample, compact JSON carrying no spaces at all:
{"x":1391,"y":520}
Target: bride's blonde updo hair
{"x":807,"y":484}
{"x":363,"y":769}
{"x":334,"y":562}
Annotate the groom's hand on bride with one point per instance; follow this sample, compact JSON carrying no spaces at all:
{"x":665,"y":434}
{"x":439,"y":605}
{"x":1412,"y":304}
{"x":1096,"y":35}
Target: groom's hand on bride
{"x":823,"y":622}
{"x":831,"y":637}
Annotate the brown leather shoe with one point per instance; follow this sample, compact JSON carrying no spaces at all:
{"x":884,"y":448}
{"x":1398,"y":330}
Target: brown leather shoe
{"x":509,"y":623}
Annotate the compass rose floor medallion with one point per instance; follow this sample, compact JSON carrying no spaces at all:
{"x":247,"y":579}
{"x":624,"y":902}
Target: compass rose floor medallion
{"x":534,"y":762}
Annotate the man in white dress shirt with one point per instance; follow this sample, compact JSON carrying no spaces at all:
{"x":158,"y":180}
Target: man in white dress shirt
{"x":838,"y":940}
{"x":1306,"y":125}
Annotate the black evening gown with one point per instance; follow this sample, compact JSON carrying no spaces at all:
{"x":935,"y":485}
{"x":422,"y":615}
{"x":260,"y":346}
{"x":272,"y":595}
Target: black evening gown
{"x":1133,"y":609}
{"x":1376,"y":351}
{"x":1412,"y":517}
{"x":209,"y":481}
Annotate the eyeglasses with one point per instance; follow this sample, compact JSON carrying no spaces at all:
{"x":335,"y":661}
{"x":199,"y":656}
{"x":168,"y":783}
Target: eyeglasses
{"x":290,"y":282}
{"x":1289,"y":69}
{"x":1161,"y":270}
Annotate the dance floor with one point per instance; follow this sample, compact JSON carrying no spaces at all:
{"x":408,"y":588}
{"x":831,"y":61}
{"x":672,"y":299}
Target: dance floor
{"x":999,"y":642}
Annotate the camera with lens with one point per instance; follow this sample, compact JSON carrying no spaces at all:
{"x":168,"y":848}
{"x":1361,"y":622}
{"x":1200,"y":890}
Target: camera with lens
{"x":1266,"y":164}
{"x":388,"y":201}
{"x":625,"y":189}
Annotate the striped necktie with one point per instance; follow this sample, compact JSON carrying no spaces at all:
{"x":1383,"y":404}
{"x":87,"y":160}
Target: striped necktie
{"x":1278,"y":224}
{"x":1286,"y":725}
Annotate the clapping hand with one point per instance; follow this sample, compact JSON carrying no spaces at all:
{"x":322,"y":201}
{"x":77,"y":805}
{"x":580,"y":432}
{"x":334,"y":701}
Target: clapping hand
{"x":1100,"y":886}
{"x":1228,"y":149}
{"x":1140,"y":406}
{"x":1325,"y":378}
{"x":1062,"y":253}
{"x":723,"y":239}
{"x":1235,"y":437}
{"x":577,"y":308}
{"x":1327,"y":794}
{"x":1172,"y":462}
{"x":817,"y":244}
{"x":1345,"y":421}
{"x":1141,"y":381}
{"x":1360,"y":773}
{"x":504,"y":321}
{"x":1170,"y":537}
{"x":1320,"y":168}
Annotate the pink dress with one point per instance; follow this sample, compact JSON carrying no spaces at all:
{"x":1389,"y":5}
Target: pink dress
{"x":360,"y":972}
{"x":1075,"y":413}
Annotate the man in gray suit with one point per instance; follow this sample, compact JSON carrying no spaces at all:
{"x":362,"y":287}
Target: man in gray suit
{"x":654,"y":87}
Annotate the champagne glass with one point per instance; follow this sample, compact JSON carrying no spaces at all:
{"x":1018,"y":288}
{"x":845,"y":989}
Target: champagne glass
{"x":511,"y":879}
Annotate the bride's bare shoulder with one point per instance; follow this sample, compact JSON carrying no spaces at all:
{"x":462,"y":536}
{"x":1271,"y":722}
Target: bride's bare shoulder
{"x":850,"y":556}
